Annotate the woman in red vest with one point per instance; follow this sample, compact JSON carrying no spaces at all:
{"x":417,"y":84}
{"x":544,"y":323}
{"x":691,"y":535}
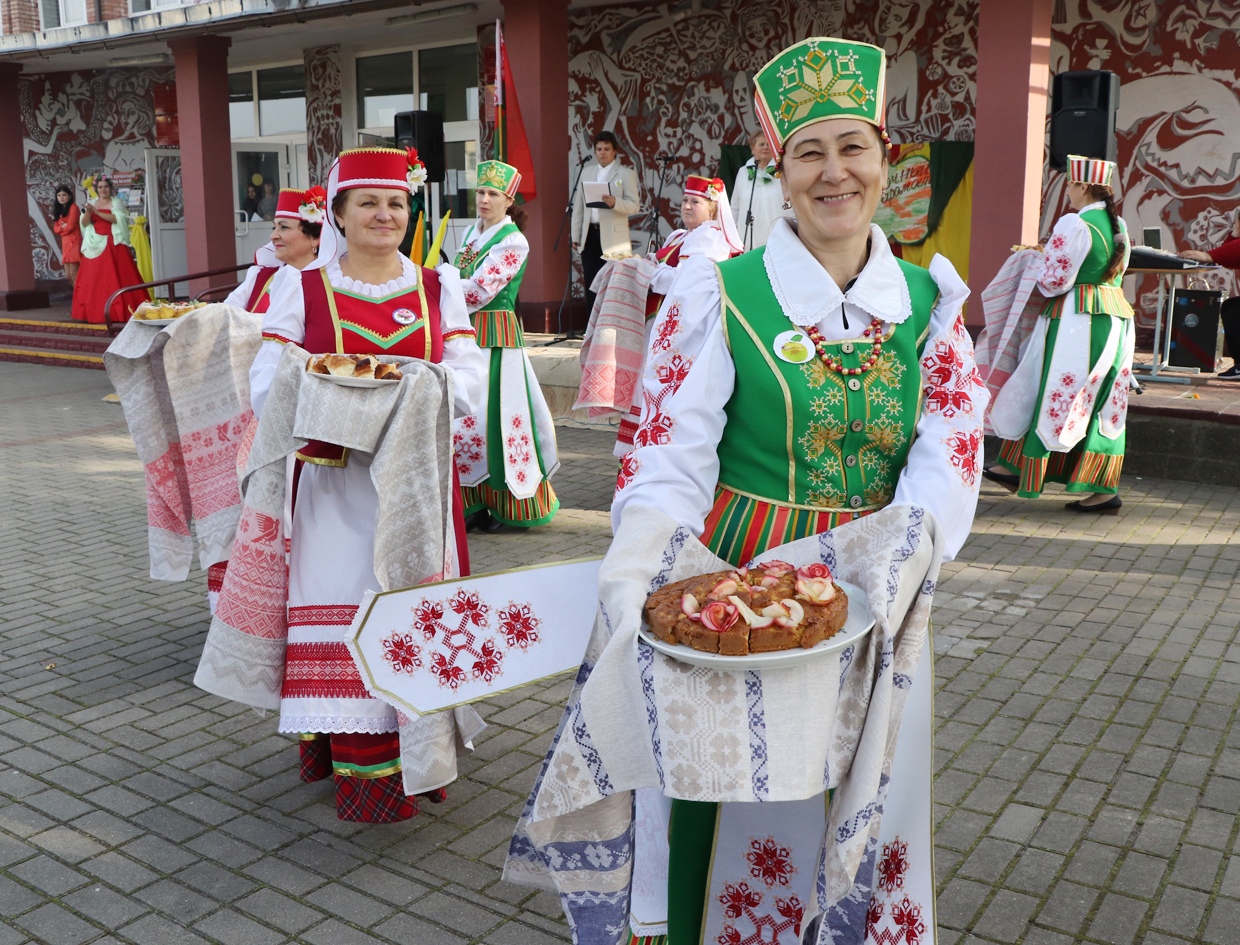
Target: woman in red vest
{"x":361,"y":298}
{"x":294,"y":242}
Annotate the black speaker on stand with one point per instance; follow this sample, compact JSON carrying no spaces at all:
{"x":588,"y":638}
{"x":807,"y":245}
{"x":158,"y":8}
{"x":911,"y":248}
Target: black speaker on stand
{"x":1083,"y":107}
{"x":424,"y":131}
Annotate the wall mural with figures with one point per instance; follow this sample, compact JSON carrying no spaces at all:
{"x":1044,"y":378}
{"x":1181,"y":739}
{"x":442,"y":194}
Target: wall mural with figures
{"x":77,"y":124}
{"x":676,"y":77}
{"x":1178,"y":126}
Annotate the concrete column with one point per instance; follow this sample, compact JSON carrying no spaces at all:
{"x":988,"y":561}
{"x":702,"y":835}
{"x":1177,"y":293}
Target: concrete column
{"x":536,"y":34}
{"x":17,"y":289}
{"x":1013,"y":56}
{"x":206,"y":155}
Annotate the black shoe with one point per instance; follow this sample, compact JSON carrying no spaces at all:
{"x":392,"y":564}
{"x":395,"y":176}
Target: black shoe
{"x":492,"y":524}
{"x":1009,"y":481}
{"x":1231,"y":374}
{"x":1110,"y":507}
{"x":477,"y":520}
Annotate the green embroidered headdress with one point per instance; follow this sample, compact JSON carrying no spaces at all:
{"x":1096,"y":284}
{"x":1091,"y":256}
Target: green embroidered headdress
{"x":499,"y":176}
{"x":817,"y":79}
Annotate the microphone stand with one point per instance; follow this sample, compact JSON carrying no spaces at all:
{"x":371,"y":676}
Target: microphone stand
{"x":561,"y":334}
{"x":753,"y":186}
{"x":663,"y":160}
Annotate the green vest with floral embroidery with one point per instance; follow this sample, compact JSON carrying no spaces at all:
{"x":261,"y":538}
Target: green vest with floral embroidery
{"x":496,"y":322}
{"x":1092,"y":291}
{"x":804,"y":435}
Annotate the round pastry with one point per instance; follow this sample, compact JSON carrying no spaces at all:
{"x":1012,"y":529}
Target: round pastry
{"x":771,"y":606}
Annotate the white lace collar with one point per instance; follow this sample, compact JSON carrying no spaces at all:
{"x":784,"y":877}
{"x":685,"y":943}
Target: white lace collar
{"x":808,"y":294}
{"x":478,"y":237}
{"x":408,"y":279}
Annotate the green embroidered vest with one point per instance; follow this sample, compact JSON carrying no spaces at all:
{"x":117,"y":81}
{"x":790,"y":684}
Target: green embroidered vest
{"x":805,"y":436}
{"x":1093,"y":292}
{"x":1102,"y":244}
{"x":496,"y":322}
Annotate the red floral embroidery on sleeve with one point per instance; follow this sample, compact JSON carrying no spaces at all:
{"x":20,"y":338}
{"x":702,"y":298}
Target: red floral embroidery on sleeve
{"x":947,"y":385}
{"x":629,"y":465}
{"x":963,"y":450}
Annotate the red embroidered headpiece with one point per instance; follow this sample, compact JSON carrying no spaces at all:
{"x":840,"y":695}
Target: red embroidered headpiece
{"x":708,"y":188}
{"x":395,"y":168}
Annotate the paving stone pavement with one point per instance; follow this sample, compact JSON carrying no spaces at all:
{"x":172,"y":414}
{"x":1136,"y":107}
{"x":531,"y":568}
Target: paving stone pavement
{"x":1087,"y":774}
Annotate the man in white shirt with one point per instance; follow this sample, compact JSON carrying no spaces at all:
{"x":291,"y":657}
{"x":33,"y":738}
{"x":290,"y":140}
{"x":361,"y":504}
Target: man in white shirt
{"x":598,"y":230}
{"x":757,"y":190}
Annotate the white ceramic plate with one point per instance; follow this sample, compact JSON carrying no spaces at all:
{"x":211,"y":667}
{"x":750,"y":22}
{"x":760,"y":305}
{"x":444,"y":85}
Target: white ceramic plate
{"x":157,"y":322}
{"x":356,"y":381}
{"x":860,"y":621}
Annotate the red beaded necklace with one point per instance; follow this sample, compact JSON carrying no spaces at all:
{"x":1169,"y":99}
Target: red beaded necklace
{"x":875,"y":331}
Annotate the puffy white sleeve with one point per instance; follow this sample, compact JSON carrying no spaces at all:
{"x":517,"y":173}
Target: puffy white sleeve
{"x":283,"y":323}
{"x":943,"y":471}
{"x":504,"y":260}
{"x":239,"y":296}
{"x":661,"y":281}
{"x":1063,"y":254}
{"x":687,"y":379}
{"x":461,"y":353}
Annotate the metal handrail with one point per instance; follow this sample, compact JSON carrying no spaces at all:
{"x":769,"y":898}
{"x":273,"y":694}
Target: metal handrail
{"x":107,"y":308}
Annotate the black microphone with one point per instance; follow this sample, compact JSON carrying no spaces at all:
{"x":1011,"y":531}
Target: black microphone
{"x":584,"y":161}
{"x":664,"y":158}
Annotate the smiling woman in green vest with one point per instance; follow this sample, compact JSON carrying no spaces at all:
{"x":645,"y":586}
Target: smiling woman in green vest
{"x":804,"y":384}
{"x":506,"y":452}
{"x":1062,"y":412}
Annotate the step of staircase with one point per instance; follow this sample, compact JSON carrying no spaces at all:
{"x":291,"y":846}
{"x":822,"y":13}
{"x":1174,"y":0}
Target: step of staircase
{"x":59,"y":343}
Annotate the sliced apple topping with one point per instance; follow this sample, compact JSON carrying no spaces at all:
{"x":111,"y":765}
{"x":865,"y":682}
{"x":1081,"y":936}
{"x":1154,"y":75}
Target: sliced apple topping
{"x":689,"y":607}
{"x":719,"y":615}
{"x":817,"y":590}
{"x":723,"y":589}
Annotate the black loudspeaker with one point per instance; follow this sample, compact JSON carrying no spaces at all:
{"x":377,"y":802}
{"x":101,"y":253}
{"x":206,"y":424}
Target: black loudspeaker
{"x":1083,"y":106}
{"x":1195,"y":338}
{"x":424,"y":131}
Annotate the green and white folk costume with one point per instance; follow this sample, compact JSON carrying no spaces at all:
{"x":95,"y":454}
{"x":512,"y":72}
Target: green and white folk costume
{"x":1062,"y":412}
{"x":752,"y":439}
{"x":505,"y":453}
{"x":750,"y":443}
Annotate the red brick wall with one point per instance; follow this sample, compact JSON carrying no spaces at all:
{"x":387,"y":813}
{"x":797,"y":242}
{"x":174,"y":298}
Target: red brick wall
{"x":112,"y":9}
{"x":20,"y":16}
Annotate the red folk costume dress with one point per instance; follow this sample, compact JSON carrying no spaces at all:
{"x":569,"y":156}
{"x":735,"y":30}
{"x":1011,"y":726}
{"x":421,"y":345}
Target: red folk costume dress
{"x":107,"y":265}
{"x":68,"y":229}
{"x":343,"y":729}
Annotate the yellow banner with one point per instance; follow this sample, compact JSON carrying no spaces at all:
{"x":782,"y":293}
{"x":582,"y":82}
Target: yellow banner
{"x":905,"y":206}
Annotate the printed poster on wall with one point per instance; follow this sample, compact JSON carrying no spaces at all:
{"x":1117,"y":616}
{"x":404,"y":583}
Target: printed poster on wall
{"x":905,"y":206}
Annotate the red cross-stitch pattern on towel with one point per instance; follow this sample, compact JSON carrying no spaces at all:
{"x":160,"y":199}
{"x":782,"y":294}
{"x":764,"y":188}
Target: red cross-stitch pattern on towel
{"x":211,"y":465}
{"x":164,"y":502}
{"x":467,"y":646}
{"x":746,"y":925}
{"x":892,"y":921}
{"x":769,"y":862}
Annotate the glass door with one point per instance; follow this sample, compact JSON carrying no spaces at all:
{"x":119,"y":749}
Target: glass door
{"x":259,"y":171}
{"x":166,"y":218}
